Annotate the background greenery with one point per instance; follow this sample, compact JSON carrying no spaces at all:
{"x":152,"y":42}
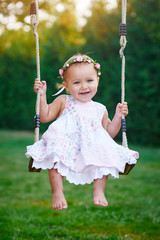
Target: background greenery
{"x":99,"y":38}
{"x":25,"y":200}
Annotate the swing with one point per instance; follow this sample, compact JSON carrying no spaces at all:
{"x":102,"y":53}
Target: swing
{"x":123,"y":33}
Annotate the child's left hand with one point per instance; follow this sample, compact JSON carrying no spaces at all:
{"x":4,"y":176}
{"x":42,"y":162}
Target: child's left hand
{"x":122,"y":108}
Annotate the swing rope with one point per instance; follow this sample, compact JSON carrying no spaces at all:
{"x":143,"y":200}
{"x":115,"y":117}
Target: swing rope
{"x":123,"y":42}
{"x":34,"y":21}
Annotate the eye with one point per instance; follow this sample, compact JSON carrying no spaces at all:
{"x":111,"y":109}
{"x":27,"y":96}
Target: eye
{"x":77,"y":82}
{"x":90,"y":80}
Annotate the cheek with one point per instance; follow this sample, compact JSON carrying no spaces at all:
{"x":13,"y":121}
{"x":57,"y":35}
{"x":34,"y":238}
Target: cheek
{"x":73,"y":89}
{"x":95,"y":86}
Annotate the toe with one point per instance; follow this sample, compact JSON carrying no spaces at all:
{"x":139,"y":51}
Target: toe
{"x":104,"y":204}
{"x":96,"y":202}
{"x":55,"y":207}
{"x":64,"y":205}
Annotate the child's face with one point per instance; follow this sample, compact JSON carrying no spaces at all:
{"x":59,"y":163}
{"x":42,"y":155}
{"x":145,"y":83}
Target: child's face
{"x":81,"y":81}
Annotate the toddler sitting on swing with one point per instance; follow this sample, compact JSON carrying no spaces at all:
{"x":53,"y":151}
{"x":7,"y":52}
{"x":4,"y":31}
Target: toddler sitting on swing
{"x":79,"y":145}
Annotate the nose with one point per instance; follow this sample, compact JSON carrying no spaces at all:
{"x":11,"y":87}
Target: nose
{"x":83,"y":85}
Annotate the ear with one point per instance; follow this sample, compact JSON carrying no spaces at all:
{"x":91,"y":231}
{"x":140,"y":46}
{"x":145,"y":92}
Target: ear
{"x":65,"y":85}
{"x":98,"y":79}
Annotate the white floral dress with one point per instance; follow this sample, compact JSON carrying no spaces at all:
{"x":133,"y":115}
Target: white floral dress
{"x":78,"y":146}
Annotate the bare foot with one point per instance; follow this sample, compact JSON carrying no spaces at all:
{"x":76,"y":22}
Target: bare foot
{"x":99,"y":198}
{"x":98,"y":192}
{"x":58,"y":198}
{"x":59,"y":201}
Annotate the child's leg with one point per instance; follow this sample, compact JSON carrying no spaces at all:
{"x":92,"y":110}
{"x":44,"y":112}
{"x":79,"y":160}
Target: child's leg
{"x":58,"y":198}
{"x":98,"y":192}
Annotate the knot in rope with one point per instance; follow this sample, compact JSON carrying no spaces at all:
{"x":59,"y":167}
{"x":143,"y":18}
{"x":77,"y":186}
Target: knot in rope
{"x":123,"y":43}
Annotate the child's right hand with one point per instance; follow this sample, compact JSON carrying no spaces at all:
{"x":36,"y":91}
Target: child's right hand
{"x":40,"y":85}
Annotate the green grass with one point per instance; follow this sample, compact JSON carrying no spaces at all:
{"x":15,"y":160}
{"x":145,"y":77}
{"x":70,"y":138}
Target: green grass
{"x":25,"y":200}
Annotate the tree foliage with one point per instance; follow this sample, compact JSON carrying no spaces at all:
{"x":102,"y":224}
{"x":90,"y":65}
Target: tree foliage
{"x":99,"y":38}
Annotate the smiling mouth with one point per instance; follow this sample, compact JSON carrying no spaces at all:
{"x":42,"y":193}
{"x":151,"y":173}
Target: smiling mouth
{"x":84,"y":93}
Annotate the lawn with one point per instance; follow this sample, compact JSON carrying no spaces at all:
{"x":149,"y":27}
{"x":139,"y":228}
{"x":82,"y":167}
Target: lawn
{"x":25,"y":200}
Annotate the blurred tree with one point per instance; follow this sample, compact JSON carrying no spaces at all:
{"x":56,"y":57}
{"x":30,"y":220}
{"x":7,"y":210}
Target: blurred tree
{"x":102,"y":41}
{"x":60,"y":37}
{"x":62,"y":40}
{"x":20,"y":8}
{"x":142,"y":63}
{"x":16,"y":88}
{"x":58,"y":40}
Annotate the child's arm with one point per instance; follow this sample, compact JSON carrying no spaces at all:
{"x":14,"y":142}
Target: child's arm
{"x":113,"y":127}
{"x":48,"y":112}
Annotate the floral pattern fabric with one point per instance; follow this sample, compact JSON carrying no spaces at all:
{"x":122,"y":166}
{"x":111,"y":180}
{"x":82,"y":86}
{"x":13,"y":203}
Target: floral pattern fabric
{"x":78,"y":146}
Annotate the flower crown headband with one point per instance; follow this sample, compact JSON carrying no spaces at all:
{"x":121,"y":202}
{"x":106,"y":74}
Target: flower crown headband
{"x":80,"y":59}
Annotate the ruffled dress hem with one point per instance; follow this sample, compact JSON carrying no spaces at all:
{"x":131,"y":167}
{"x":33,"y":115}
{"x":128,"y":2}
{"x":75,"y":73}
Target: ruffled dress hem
{"x":86,"y":176}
